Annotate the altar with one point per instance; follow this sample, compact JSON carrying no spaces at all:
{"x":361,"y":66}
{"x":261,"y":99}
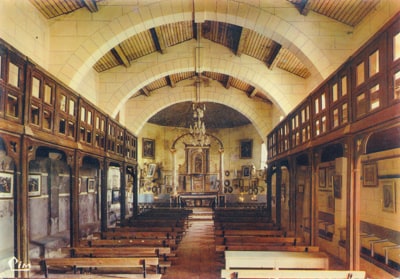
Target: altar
{"x":204,"y":199}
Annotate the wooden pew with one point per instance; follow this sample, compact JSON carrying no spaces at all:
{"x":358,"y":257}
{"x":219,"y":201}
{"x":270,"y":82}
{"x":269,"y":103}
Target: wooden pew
{"x":129,"y":264}
{"x":112,"y":252}
{"x":128,"y":242}
{"x":243,"y":225}
{"x":243,"y":247}
{"x":141,"y":235}
{"x":258,"y":240}
{"x":291,"y":274}
{"x":249,"y":232}
{"x":275,"y":260}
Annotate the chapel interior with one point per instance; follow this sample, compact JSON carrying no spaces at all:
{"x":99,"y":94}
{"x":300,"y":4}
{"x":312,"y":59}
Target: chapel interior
{"x":119,"y":117}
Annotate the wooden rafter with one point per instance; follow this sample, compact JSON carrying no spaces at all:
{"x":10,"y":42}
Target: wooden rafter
{"x":273,"y":54}
{"x":120,"y":56}
{"x":242,"y":41}
{"x":158,"y":40}
{"x":91,"y":5}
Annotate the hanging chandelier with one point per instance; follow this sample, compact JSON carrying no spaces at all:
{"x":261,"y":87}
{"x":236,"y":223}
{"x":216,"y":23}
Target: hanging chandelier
{"x":198,"y":129}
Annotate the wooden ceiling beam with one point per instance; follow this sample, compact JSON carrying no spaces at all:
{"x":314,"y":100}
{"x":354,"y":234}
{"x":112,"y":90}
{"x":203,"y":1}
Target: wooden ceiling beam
{"x":228,"y":81}
{"x":120,"y":55}
{"x":91,"y":5}
{"x":242,"y":41}
{"x":158,"y":40}
{"x":171,"y":81}
{"x":145,"y":91}
{"x":253,"y":93}
{"x":273,"y":54}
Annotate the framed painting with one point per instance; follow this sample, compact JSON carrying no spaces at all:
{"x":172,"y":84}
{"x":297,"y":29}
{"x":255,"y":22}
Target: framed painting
{"x":389,"y":196}
{"x":246,"y":149}
{"x":6,"y":185}
{"x":152,"y":170}
{"x":91,"y":185}
{"x":337,"y":186}
{"x":148,"y":148}
{"x":34,"y":184}
{"x":115,"y":196}
{"x":246,"y":171}
{"x":370,"y":175}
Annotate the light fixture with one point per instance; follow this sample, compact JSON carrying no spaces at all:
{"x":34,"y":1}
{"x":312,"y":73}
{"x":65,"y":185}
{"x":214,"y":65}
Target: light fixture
{"x":198,"y":129}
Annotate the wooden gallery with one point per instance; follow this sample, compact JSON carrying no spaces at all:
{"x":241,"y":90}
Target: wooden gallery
{"x":200,"y":139}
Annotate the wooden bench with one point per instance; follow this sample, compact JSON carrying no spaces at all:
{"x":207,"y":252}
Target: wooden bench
{"x":111,"y":252}
{"x":128,"y":264}
{"x":129,"y":242}
{"x":243,"y":247}
{"x":258,"y":240}
{"x":243,"y":225}
{"x":249,"y":232}
{"x":291,"y":274}
{"x":131,"y":234}
{"x":275,"y":260}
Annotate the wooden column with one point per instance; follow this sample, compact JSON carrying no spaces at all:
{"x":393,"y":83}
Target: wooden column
{"x":103,"y":191}
{"x":74,"y":198}
{"x":278,"y":185}
{"x":269,"y":192}
{"x":135,"y":191}
{"x":123,"y":192}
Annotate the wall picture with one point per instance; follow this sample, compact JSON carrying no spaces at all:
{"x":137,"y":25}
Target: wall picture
{"x":337,"y":186}
{"x":246,"y":149}
{"x":115,"y":196}
{"x":370,"y":175}
{"x":389,"y":196}
{"x":246,"y":171}
{"x":148,"y":148}
{"x":34,"y":184}
{"x":6,"y":185}
{"x":322,"y":178}
{"x":91,"y":185}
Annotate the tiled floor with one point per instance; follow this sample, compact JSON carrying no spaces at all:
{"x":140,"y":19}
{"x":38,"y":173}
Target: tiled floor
{"x":196,"y":252}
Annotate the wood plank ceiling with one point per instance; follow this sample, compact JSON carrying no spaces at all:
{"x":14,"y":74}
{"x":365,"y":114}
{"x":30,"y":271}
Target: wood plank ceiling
{"x":238,"y":39}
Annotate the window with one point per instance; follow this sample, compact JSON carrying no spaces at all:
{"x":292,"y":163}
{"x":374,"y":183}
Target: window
{"x":35,"y":88}
{"x":396,"y":47}
{"x":360,"y":78}
{"x":374,"y":63}
{"x":13,"y":77}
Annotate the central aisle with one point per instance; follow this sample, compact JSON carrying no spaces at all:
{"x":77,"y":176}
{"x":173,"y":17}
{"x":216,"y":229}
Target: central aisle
{"x":196,"y":252}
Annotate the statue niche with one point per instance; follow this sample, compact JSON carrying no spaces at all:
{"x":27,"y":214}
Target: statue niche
{"x":198,"y":160}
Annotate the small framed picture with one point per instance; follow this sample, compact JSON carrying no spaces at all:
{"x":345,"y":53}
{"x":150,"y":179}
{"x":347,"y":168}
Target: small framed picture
{"x":34,"y":184}
{"x":115,"y":196}
{"x":148,"y":148}
{"x":370,"y":175}
{"x":246,"y":171}
{"x":389,"y":196}
{"x":6,"y":185}
{"x":152,"y":169}
{"x":91,"y":185}
{"x":246,"y":149}
{"x":337,"y":186}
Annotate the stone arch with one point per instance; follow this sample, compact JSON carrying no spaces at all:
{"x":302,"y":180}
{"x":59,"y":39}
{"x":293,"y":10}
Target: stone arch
{"x":144,"y":107}
{"x":255,"y":73}
{"x":121,"y":28}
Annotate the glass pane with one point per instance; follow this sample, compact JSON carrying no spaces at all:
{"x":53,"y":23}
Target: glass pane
{"x":35,"y":115}
{"x":323,"y":122}
{"x":307,"y":113}
{"x":12,"y":105}
{"x":71,"y":129}
{"x":89,"y":136}
{"x":323,"y":103}
{"x":360,"y":74}
{"x":89,"y":117}
{"x":35,"y":88}
{"x":396,"y":85}
{"x":47,"y":115}
{"x":97,"y":122}
{"x":83,"y":114}
{"x":63,"y":101}
{"x":335,"y":118}
{"x":82,"y":133}
{"x":13,"y":77}
{"x":71,"y":109}
{"x":316,"y":105}
{"x":1,"y":68}
{"x":102,"y":125}
{"x":344,"y":86}
{"x":48,"y":94}
{"x":344,"y":113}
{"x":303,"y":115}
{"x":374,"y":63}
{"x":396,"y":47}
{"x":61,"y":126}
{"x":361,"y":104}
{"x":374,"y":96}
{"x":317,"y":127}
{"x":334,"y":92}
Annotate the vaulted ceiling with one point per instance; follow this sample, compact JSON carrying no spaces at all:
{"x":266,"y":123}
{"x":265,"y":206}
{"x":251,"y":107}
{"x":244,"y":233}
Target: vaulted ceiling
{"x":237,"y":39}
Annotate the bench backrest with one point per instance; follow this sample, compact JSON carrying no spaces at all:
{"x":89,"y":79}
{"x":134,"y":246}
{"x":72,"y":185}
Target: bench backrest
{"x":121,"y":251}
